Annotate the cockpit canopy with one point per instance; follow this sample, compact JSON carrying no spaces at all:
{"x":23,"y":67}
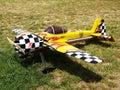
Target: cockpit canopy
{"x":53,"y":29}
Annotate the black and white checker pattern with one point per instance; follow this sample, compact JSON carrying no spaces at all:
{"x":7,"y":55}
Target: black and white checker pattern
{"x":84,"y":56}
{"x":103,"y":28}
{"x":28,"y":42}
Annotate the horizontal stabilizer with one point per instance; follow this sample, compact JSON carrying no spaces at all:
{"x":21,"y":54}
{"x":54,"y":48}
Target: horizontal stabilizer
{"x":96,"y":34}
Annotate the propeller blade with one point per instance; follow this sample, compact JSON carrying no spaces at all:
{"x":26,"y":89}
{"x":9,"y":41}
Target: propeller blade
{"x":11,"y":42}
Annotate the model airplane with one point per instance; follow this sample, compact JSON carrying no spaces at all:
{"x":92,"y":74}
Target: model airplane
{"x":59,"y":39}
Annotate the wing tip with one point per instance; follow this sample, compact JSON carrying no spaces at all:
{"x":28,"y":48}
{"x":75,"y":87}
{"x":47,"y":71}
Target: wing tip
{"x":94,"y":59}
{"x":85,"y":57}
{"x":95,"y":62}
{"x":18,"y":31}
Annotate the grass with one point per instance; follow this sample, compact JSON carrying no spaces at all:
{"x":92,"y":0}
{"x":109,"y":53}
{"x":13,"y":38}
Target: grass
{"x":71,"y":73}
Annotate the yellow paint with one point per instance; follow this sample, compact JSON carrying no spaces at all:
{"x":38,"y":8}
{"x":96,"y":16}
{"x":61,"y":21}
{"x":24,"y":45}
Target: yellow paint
{"x":58,"y":41}
{"x":64,"y":37}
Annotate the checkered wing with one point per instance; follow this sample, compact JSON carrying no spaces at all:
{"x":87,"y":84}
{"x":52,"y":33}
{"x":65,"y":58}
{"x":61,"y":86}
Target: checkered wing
{"x":84,"y":56}
{"x":75,"y":52}
{"x":28,"y":42}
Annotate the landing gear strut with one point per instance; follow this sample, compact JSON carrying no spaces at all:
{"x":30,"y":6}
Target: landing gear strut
{"x":45,"y":69}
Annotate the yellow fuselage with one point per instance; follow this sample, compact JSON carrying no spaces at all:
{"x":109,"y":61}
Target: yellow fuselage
{"x":64,"y":37}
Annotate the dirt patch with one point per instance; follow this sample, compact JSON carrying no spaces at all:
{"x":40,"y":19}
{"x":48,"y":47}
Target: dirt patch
{"x":57,"y":78}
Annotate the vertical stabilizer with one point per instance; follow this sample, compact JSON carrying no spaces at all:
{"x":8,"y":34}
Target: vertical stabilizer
{"x":96,"y":24}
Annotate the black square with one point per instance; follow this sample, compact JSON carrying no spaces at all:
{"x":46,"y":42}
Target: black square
{"x":33,"y":45}
{"x":83,"y":58}
{"x":36,"y":39}
{"x":30,"y":36}
{"x":20,"y":38}
{"x":22,"y":46}
{"x":27,"y":40}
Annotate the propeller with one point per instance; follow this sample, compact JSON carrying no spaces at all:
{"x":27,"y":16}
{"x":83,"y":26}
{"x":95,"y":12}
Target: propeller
{"x":16,"y":45}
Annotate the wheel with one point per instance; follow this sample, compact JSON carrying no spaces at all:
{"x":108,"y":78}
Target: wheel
{"x":47,"y":70}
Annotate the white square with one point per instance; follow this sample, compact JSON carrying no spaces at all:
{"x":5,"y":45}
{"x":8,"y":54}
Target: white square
{"x":25,"y":36}
{"x":32,"y":40}
{"x":37,"y":45}
{"x":22,"y":41}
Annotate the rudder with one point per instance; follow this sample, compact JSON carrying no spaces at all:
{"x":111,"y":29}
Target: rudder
{"x":99,"y":26}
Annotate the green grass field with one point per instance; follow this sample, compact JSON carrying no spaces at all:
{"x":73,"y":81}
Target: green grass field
{"x":70,"y":73}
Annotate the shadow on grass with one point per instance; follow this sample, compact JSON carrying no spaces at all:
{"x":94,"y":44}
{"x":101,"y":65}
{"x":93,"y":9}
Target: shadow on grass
{"x":62,"y":62}
{"x":66,"y":64}
{"x":103,"y":44}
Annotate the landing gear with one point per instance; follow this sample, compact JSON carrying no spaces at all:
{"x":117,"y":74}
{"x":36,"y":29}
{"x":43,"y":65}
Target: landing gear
{"x":45,"y":69}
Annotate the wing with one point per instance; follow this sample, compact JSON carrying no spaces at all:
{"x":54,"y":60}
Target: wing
{"x":75,"y":52}
{"x":20,"y":31}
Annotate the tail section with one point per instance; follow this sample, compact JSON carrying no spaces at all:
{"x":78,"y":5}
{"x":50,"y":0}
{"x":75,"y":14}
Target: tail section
{"x":96,"y":24}
{"x":99,"y":27}
{"x":102,"y":28}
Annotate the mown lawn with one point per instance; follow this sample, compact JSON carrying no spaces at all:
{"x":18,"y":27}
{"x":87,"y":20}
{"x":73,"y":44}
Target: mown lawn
{"x":70,"y":73}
